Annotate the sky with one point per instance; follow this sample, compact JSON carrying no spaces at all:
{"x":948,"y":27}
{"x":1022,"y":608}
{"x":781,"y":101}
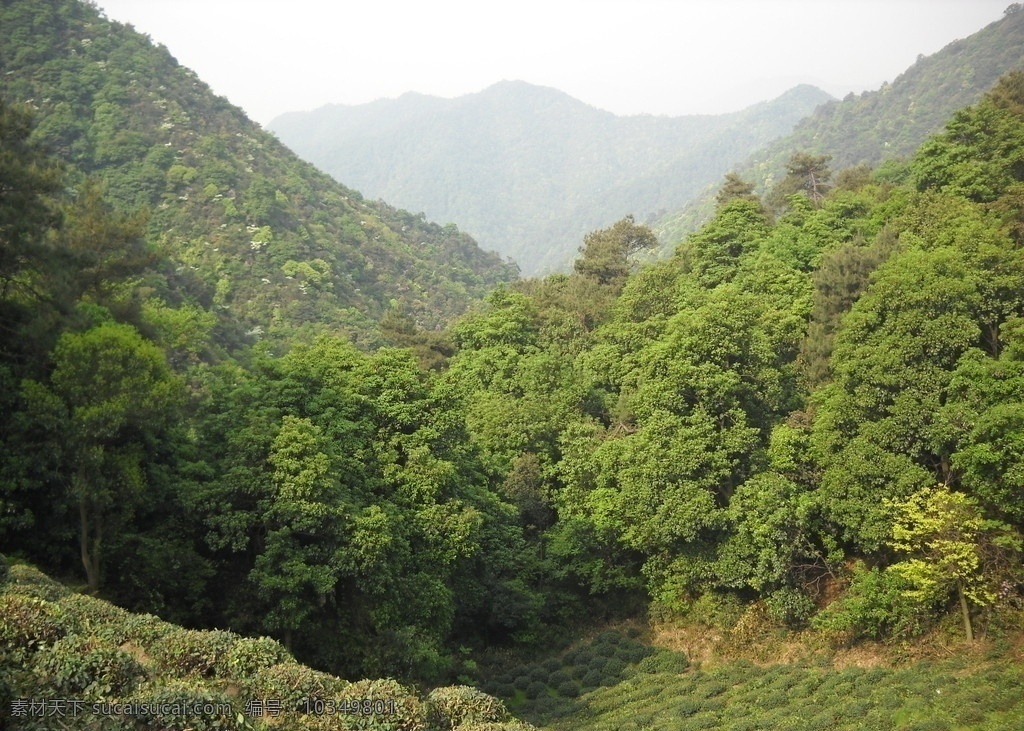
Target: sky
{"x":662,"y":57}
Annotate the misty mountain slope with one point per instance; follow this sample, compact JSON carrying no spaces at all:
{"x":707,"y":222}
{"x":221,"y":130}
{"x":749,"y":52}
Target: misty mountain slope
{"x":529,"y":170}
{"x":250,"y":231}
{"x":888,"y":123}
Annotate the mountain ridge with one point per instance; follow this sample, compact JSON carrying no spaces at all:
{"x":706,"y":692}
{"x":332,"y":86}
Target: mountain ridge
{"x":887,"y":123}
{"x":527,"y":169}
{"x":253,"y":233}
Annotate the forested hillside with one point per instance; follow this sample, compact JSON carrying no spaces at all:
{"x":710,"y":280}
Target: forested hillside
{"x":889,"y":123}
{"x":805,"y":424}
{"x":529,"y":170}
{"x":246,"y":234}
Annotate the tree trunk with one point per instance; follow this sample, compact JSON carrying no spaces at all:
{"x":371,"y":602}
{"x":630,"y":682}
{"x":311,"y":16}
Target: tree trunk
{"x":89,"y":543}
{"x":965,"y":610}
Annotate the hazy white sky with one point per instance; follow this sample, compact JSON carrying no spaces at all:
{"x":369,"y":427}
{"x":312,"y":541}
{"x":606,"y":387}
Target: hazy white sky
{"x":625,"y":56}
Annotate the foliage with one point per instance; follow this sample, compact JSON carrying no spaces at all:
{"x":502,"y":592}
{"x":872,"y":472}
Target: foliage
{"x":733,"y":437}
{"x":458,"y":706}
{"x":876,"y":605}
{"x":193,"y":652}
{"x":87,"y":668}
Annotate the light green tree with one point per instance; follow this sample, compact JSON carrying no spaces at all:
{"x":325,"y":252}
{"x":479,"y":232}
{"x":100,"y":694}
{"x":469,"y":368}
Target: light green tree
{"x":950,"y":547}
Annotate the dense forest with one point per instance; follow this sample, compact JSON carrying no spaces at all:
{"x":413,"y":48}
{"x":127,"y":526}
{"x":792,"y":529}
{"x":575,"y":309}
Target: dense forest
{"x":807,"y":420}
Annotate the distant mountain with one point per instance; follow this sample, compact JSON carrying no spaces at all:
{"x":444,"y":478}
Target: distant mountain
{"x":250,"y":231}
{"x":529,"y":170}
{"x":884,"y":124}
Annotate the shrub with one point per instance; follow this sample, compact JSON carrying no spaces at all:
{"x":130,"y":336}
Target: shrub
{"x":27,"y":622}
{"x":146,"y":629}
{"x":876,"y":605}
{"x":536,"y":689}
{"x":539,"y":673}
{"x":551,"y":664}
{"x":193,"y":652}
{"x":504,"y":690}
{"x":249,"y":655}
{"x":294,"y":685}
{"x":196,"y":709}
{"x":614,"y":668}
{"x":30,"y":581}
{"x":583,"y":656}
{"x":609,"y":637}
{"x":96,"y":617}
{"x":593,"y":679}
{"x":632,"y":652}
{"x":461,"y":704}
{"x":558,"y":677}
{"x":403,"y":711}
{"x":550,"y":707}
{"x":522,"y":681}
{"x":567,"y":689}
{"x":665,"y":662}
{"x":76,"y":666}
{"x":790,"y":607}
{"x":716,"y":610}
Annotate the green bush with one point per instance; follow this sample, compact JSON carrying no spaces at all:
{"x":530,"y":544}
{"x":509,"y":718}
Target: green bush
{"x":80,"y":667}
{"x":593,"y":679}
{"x":30,"y":581}
{"x":249,"y":655}
{"x":558,"y":677}
{"x":665,"y":662}
{"x":551,"y":664}
{"x":538,"y":672}
{"x":96,"y":617}
{"x":614,"y":668}
{"x":522,"y":681}
{"x":876,"y":606}
{"x":184,"y":652}
{"x":536,"y":689}
{"x":294,"y":685}
{"x":790,"y":607}
{"x":567,"y":689}
{"x":146,"y":629}
{"x":633,"y":652}
{"x":717,"y":610}
{"x":27,"y":622}
{"x":404,"y":710}
{"x":194,"y":709}
{"x":504,"y":690}
{"x":448,"y":708}
{"x":583,"y":656}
